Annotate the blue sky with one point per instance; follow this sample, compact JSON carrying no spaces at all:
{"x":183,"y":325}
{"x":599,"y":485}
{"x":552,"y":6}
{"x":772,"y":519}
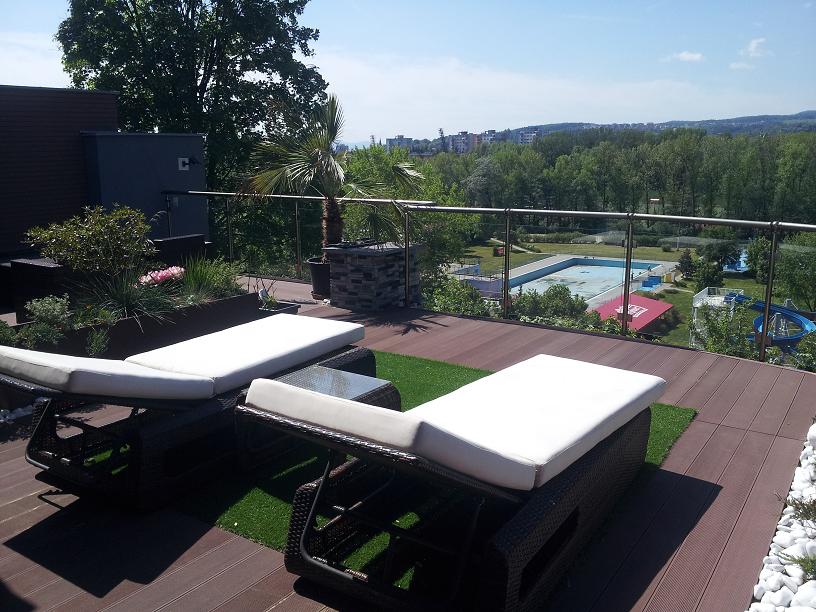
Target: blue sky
{"x":412,"y":67}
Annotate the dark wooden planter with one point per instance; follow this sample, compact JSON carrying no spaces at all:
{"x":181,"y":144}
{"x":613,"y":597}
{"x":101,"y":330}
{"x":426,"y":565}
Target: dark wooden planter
{"x":281,"y":308}
{"x":138,"y":334}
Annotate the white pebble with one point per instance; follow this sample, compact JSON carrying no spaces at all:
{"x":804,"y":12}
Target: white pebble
{"x":759,"y":590}
{"x":762,"y":607}
{"x":773,"y":582}
{"x":782,"y":597}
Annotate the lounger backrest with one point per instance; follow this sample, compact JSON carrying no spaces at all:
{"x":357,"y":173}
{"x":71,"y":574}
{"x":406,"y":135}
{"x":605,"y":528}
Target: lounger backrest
{"x":234,"y":357}
{"x":400,"y":431}
{"x":101,"y":377}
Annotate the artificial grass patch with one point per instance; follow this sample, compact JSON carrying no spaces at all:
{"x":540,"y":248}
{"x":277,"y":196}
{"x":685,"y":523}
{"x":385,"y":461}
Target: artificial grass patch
{"x":258,"y":505}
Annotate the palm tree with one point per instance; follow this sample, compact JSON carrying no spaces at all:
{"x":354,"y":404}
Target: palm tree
{"x":311,"y":164}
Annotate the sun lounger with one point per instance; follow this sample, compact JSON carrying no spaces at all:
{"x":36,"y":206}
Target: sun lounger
{"x":525,"y":462}
{"x":179,"y":401}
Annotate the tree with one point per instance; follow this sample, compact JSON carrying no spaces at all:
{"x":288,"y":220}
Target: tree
{"x":727,"y":332}
{"x":796,"y":270}
{"x":555,"y":301}
{"x":686,"y":264}
{"x":708,"y":274}
{"x":759,"y":258}
{"x":311,"y":164}
{"x":722,"y":248}
{"x":219,"y":67}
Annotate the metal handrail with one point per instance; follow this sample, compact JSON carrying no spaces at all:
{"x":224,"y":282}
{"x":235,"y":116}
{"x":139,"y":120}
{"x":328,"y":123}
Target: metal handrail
{"x":426,"y":206}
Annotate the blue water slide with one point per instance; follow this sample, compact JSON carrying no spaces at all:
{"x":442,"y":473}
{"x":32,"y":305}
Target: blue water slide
{"x":807,"y":326}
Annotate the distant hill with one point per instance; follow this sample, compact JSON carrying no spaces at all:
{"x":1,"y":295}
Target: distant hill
{"x":756,"y":124}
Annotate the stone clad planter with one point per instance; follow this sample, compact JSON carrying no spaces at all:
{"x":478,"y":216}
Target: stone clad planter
{"x":370,"y":278}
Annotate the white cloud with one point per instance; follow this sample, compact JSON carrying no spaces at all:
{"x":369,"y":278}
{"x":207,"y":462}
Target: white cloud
{"x":685,"y":56}
{"x":755,"y":48}
{"x":385,"y":95}
{"x":31,"y":58}
{"x":740,"y":66}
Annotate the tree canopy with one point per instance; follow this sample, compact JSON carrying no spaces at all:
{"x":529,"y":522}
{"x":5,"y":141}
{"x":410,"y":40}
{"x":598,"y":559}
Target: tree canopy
{"x":224,"y":68}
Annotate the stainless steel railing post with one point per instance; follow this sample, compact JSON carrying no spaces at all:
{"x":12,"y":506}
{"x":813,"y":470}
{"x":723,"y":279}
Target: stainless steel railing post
{"x":627,"y":279}
{"x":766,"y":311}
{"x":506,"y":280}
{"x":407,"y":247}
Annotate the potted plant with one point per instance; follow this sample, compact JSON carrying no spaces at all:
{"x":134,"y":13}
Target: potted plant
{"x":312,"y":164}
{"x":269,"y":304}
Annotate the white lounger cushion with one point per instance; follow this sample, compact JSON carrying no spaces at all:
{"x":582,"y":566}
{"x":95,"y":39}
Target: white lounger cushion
{"x":106,"y":377}
{"x":547,"y":409}
{"x":232,"y":358}
{"x":517,"y":428}
{"x":397,"y":430}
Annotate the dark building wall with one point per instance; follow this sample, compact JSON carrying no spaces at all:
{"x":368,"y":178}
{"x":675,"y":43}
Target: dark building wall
{"x":134,"y":169}
{"x":42,"y":163}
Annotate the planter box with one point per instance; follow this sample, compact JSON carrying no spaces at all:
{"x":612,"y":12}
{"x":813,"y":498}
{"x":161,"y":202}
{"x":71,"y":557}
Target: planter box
{"x":281,"y":308}
{"x":138,"y":334}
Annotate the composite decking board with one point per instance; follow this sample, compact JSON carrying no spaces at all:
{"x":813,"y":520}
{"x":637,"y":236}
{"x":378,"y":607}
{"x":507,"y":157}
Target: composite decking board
{"x":640,"y":351}
{"x":676,"y":363}
{"x":729,"y":587}
{"x":467,"y":349}
{"x":707,"y":385}
{"x":694,"y":561}
{"x":640,"y":573}
{"x":523,"y":350}
{"x":681,"y":381}
{"x":771,"y":415}
{"x":627,"y":524}
{"x":208,"y":543}
{"x":649,"y":363}
{"x":262,"y":595}
{"x":185,"y":578}
{"x":801,"y":412}
{"x":750,"y":401}
{"x":728,"y":393}
{"x":228,"y":584}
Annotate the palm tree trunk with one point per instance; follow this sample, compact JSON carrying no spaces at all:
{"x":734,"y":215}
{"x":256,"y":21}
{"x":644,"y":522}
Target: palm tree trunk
{"x":332,"y":222}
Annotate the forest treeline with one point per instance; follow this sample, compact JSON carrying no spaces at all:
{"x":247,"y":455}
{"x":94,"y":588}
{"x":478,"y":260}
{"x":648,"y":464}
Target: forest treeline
{"x":766,"y":177}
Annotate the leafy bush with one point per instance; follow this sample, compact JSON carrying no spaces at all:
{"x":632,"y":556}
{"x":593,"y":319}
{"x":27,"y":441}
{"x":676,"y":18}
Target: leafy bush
{"x":97,"y":242}
{"x":796,"y":269}
{"x":8,"y":337}
{"x":124,"y":296}
{"x":51,"y":310}
{"x":36,"y":335}
{"x":556,"y":301}
{"x":666,"y":248}
{"x":686,"y":263}
{"x":804,"y":357}
{"x":708,"y":274}
{"x":718,"y":330}
{"x":209,"y":279}
{"x":451,"y":295}
{"x":759,"y":258}
{"x":98,"y":340}
{"x":723,"y":249}
{"x":647,"y":240}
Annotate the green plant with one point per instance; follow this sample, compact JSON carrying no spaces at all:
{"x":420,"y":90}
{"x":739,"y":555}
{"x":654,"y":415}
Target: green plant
{"x":804,"y":357}
{"x":314,"y":165}
{"x":807,"y":563}
{"x":124,"y":296}
{"x":796,"y":269}
{"x":209,"y":279}
{"x":555,"y":301}
{"x":666,"y":248}
{"x":686,"y":263}
{"x":98,"y":340}
{"x":708,"y":274}
{"x":803,"y":509}
{"x":8,"y":337}
{"x":451,"y":295}
{"x":720,"y":330}
{"x":97,"y":242}
{"x":51,"y":310}
{"x":759,"y":258}
{"x":38,"y":335}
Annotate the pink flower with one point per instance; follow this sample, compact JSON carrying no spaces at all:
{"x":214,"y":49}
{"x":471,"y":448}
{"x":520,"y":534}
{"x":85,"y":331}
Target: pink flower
{"x":160,"y":276}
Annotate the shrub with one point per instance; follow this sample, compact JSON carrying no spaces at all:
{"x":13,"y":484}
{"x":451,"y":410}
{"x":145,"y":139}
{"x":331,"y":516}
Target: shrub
{"x":718,"y":330}
{"x":98,"y":340}
{"x":38,"y":335}
{"x":556,"y":301}
{"x":759,"y":258}
{"x":8,"y":337}
{"x":708,"y":274}
{"x":647,"y":240}
{"x":686,"y":263}
{"x":209,"y":279}
{"x":666,"y":248}
{"x":804,"y":357}
{"x":558,"y":237}
{"x":97,"y":242}
{"x":451,"y":295}
{"x":51,"y":310}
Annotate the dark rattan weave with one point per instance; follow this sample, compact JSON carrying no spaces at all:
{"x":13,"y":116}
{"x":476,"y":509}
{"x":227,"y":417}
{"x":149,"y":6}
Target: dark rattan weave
{"x":144,"y":458}
{"x":523,"y":544}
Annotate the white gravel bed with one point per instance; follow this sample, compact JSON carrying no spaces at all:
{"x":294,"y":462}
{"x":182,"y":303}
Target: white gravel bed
{"x":782,"y":585}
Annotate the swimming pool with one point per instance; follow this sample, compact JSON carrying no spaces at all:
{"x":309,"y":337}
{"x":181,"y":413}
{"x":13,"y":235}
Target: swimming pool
{"x":584,"y":276}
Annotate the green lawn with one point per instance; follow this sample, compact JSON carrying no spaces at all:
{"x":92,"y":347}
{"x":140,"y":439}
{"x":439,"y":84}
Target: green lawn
{"x":495,"y":265}
{"x":605,"y":250}
{"x":257,"y":505}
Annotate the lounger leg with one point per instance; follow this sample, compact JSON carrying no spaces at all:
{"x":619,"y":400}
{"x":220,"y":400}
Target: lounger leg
{"x":44,"y":410}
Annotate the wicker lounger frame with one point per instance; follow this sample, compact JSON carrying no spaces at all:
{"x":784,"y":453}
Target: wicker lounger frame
{"x":163,"y":444}
{"x":513,"y":566}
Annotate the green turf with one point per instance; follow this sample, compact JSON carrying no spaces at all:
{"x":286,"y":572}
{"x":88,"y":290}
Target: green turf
{"x":257,"y":505}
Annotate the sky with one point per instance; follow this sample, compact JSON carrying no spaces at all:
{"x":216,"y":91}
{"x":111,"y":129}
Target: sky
{"x":414,"y":67}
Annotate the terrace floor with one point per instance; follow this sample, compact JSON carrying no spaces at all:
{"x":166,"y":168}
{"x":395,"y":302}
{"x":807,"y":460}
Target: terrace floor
{"x":691,"y":538}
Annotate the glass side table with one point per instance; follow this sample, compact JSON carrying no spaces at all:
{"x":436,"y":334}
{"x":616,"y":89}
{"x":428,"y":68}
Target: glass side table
{"x":346,"y":385}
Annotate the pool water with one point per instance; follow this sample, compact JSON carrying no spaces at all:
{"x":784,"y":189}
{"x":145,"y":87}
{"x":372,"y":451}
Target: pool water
{"x":584,"y":277}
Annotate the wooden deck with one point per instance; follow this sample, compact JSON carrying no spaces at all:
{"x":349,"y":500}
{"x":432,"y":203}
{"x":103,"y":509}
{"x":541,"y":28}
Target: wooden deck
{"x":691,"y":539}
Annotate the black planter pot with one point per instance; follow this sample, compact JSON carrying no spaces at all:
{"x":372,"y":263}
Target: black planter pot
{"x":321,"y":280}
